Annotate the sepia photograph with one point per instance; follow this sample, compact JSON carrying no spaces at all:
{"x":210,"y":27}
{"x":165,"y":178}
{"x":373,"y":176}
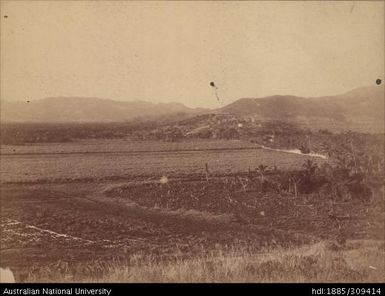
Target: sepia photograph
{"x":191,"y":142}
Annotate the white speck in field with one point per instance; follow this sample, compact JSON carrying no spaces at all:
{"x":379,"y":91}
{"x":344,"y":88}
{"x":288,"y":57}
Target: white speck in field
{"x":163,"y":180}
{"x":6,"y":275}
{"x":262,"y":213}
{"x":240,"y":125}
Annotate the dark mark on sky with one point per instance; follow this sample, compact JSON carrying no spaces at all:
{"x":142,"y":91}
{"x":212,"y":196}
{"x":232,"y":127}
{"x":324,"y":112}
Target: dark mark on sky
{"x":212,"y":84}
{"x":5,"y":16}
{"x":378,"y":81}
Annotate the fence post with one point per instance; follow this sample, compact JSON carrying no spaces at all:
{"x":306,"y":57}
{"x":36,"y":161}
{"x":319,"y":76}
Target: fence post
{"x":207,"y":171}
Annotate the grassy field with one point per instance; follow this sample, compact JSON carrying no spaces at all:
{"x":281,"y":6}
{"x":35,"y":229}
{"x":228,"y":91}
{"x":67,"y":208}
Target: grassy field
{"x":357,"y":261}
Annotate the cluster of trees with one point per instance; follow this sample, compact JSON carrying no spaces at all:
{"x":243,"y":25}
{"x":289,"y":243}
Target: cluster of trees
{"x":23,"y":133}
{"x":329,"y":182}
{"x":178,"y":133}
{"x":354,"y":171}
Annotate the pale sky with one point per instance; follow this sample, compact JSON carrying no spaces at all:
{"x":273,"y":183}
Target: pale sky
{"x":171,"y":51}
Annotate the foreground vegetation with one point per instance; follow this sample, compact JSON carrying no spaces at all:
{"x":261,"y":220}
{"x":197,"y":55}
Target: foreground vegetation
{"x":357,"y":261}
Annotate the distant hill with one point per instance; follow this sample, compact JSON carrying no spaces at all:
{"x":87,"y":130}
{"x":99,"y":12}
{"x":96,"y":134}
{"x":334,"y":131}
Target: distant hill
{"x":79,"y":109}
{"x":361,"y":102}
{"x":361,"y":108}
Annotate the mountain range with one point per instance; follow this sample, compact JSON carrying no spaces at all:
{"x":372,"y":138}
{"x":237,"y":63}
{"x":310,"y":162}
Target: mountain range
{"x":360,"y":106}
{"x":87,"y":109}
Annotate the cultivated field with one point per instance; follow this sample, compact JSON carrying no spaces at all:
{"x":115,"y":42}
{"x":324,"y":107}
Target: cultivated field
{"x":153,"y":211}
{"x":102,"y":160}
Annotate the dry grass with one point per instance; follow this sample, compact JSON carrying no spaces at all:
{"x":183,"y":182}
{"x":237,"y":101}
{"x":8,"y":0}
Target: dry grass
{"x":357,"y":261}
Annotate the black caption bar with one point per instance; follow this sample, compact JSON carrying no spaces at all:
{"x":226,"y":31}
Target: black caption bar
{"x":177,"y":289}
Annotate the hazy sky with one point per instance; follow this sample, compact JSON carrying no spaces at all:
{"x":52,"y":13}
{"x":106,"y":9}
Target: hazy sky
{"x":170,"y":51}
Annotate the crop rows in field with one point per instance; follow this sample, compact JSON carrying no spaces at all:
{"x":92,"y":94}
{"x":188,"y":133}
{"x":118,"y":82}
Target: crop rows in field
{"x":119,"y":145}
{"x":246,"y":202}
{"x":96,"y":166}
